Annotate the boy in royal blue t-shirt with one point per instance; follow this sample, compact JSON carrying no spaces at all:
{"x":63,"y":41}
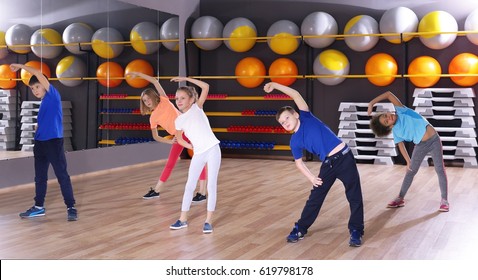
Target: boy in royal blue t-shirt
{"x":48,"y":147}
{"x":337,"y":159}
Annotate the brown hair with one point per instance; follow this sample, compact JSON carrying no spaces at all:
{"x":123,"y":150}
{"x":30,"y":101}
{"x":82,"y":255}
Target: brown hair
{"x":154,"y":97}
{"x":284,"y":109}
{"x":379,"y":129}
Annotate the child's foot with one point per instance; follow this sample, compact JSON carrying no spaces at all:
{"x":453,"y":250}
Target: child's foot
{"x":151,"y":194}
{"x":444,"y":206}
{"x":179,"y":225}
{"x":295,"y":235}
{"x":397,"y":202}
{"x":199,"y":198}
{"x":355,"y":238}
{"x":207,"y":228}
{"x":72,"y":214}
{"x":34,"y":211}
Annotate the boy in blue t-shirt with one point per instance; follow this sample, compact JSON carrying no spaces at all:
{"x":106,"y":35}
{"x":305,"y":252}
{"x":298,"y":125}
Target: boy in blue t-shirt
{"x":407,"y":125}
{"x":337,"y":159}
{"x":48,"y":147}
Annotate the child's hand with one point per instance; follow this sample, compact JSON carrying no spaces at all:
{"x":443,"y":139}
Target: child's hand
{"x":370,"y":109}
{"x":269,"y":87}
{"x":316,"y":182}
{"x":178,"y":79}
{"x":14,"y":67}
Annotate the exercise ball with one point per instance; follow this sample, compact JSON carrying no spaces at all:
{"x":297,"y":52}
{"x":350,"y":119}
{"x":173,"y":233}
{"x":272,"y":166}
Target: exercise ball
{"x":3,"y":46}
{"x":438,"y":21}
{"x":361,"y":25}
{"x":170,"y":31}
{"x":145,"y":31}
{"x":69,"y":69}
{"x":282,"y":39}
{"x":104,"y":42}
{"x":398,"y":20}
{"x":471,"y":24}
{"x":283,"y":67}
{"x":7,"y":73}
{"x":107,"y":72}
{"x":19,"y":34}
{"x":428,"y":68}
{"x":42,"y":66}
{"x":331,"y":62}
{"x":141,"y":66}
{"x":318,"y":24}
{"x":384,"y":66}
{"x":46,"y":36}
{"x":207,"y":27}
{"x":464,"y":63}
{"x":238,"y":30}
{"x":250,"y":68}
{"x":76,"y":35}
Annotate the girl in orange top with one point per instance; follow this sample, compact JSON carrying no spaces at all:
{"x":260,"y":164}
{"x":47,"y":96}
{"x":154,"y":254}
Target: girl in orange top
{"x":163,"y":114}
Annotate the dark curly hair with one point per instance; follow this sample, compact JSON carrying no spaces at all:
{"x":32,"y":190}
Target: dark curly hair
{"x":379,"y":129}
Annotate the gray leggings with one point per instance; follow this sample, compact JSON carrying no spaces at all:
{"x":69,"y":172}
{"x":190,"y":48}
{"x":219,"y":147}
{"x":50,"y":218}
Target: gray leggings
{"x":434,"y":147}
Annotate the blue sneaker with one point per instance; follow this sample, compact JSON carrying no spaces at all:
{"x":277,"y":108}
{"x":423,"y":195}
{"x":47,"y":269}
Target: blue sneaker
{"x":179,"y":225}
{"x":207,"y":228}
{"x":295,"y":235}
{"x":33,"y":212}
{"x":355,"y":238}
{"x":72,"y":214}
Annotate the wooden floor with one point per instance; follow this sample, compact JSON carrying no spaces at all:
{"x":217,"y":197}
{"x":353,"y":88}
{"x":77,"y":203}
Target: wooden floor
{"x":258,"y":203}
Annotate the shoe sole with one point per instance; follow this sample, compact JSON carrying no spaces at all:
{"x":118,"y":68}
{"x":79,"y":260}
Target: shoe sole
{"x":175,"y":228}
{"x":443,"y":210}
{"x":207,"y":231}
{"x":198,"y":201}
{"x":151,"y":197}
{"x":395,"y":206}
{"x":33,"y":216}
{"x":354,"y":245}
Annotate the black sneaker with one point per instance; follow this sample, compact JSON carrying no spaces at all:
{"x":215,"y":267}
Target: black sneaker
{"x":72,"y":214}
{"x":151,"y":194}
{"x":199,"y":198}
{"x":33,"y":212}
{"x":295,"y":235}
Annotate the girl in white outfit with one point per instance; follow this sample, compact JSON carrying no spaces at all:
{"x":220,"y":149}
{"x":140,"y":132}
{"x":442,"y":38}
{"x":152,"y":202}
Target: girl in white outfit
{"x":194,"y":123}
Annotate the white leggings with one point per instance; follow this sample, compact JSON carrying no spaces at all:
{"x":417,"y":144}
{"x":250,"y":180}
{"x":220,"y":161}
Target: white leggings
{"x":212,"y":158}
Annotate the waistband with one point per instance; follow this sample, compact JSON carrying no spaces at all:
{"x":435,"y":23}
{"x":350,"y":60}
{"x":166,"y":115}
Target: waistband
{"x":342,"y":152}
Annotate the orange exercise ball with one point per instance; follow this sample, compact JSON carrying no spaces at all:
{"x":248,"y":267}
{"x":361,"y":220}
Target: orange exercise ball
{"x":428,"y":68}
{"x":283,"y":67}
{"x":464,"y":63}
{"x":138,"y":65}
{"x":107,"y":72}
{"x":384,"y":66}
{"x":250,"y":67}
{"x":7,"y":74}
{"x":25,"y":75}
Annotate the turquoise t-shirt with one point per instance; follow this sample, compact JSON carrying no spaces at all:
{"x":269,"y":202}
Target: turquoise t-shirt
{"x":410,"y":126}
{"x":314,"y":136}
{"x":50,"y":116}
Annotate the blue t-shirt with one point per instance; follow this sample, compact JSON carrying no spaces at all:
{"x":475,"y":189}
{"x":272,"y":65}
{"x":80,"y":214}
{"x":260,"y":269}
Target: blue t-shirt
{"x":314,"y":136}
{"x":50,"y":116}
{"x":410,"y":126}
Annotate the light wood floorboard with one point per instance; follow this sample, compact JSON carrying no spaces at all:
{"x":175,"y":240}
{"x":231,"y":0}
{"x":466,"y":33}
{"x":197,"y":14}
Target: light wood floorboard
{"x":258,"y":203}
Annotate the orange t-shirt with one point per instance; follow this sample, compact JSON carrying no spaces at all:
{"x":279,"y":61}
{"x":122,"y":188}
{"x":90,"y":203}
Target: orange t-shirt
{"x":164,"y":115}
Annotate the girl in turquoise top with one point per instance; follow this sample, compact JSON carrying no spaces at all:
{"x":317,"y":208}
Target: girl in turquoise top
{"x":407,"y":125}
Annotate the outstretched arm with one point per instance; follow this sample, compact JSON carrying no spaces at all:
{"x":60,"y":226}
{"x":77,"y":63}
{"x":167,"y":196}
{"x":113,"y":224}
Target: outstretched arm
{"x":294,"y":94}
{"x":203,"y":85}
{"x":388,"y":95}
{"x":150,"y":79}
{"x":36,"y":72}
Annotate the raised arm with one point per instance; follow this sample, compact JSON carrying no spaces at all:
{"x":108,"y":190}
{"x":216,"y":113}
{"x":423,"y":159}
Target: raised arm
{"x":34,"y":71}
{"x":150,"y":79}
{"x":203,"y":85}
{"x":294,"y":94}
{"x":388,"y":95}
